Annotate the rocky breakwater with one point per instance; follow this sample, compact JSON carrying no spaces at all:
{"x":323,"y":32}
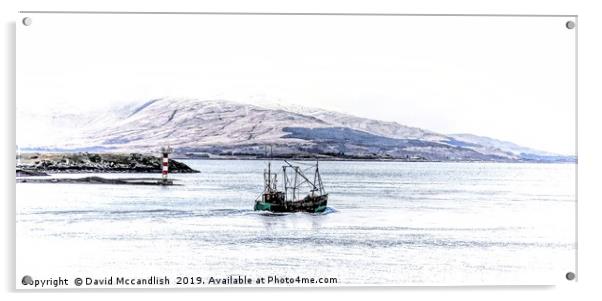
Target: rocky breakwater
{"x":97,"y":163}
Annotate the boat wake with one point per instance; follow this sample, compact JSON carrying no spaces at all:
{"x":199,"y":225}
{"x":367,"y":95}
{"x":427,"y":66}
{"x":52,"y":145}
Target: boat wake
{"x":328,"y":210}
{"x":88,"y":215}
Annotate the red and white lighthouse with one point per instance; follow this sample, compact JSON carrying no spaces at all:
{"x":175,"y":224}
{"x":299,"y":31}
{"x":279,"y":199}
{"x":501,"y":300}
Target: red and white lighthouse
{"x":165,"y":166}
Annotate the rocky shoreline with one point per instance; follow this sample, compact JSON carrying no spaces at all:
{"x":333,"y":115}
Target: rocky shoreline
{"x":40,"y":164}
{"x":100,"y":180}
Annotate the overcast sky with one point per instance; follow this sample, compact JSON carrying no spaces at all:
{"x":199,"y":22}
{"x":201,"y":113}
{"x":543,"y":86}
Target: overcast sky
{"x":506,"y":78}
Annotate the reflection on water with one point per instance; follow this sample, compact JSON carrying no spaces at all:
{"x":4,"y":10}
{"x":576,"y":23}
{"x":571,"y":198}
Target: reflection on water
{"x":387,"y":223}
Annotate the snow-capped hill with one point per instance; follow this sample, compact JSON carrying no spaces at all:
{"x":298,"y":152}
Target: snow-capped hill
{"x":384,"y":128}
{"x":228,"y":128}
{"x":195,"y":123}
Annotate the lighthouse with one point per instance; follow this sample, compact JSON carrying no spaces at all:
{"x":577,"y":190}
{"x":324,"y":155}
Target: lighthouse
{"x":165,"y":165}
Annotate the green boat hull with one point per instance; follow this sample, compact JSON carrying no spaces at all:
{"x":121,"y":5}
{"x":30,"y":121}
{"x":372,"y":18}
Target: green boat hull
{"x":261,"y":206}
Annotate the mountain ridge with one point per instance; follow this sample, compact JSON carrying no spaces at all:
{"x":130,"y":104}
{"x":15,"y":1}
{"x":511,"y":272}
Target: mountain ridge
{"x":228,"y":128}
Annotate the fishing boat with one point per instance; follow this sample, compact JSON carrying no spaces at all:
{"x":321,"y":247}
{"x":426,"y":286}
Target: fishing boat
{"x":294,"y":197}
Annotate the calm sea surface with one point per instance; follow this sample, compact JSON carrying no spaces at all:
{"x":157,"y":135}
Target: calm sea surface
{"x":387,"y":223}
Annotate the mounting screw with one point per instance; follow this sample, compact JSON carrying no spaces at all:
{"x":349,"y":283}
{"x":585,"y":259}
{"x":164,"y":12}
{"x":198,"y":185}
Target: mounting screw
{"x":27,"y":21}
{"x":570,"y":24}
{"x":570,"y":276}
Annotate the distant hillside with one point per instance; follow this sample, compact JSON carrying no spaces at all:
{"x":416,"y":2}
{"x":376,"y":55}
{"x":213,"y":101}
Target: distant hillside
{"x":225,"y":128}
{"x":523,"y":152}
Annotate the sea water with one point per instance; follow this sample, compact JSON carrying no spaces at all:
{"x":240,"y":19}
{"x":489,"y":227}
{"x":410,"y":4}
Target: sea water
{"x":387,"y":223}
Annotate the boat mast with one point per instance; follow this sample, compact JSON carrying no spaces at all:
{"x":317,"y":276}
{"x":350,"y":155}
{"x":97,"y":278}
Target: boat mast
{"x":299,"y":173}
{"x":319,"y":178}
{"x":270,"y":180}
{"x":295,"y":183}
{"x":285,"y":183}
{"x":270,"y":176}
